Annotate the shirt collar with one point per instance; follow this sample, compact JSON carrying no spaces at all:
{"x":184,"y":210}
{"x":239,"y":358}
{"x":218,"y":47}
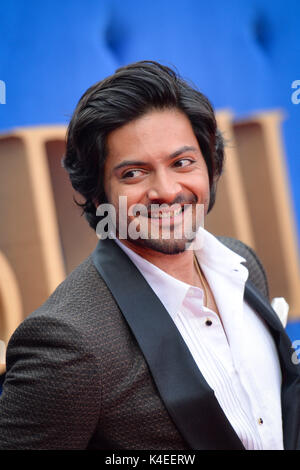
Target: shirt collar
{"x":214,"y":254}
{"x":210,"y":252}
{"x":168,"y":289}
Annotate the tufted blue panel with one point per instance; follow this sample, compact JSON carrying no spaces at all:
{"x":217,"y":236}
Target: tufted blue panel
{"x":50,"y":53}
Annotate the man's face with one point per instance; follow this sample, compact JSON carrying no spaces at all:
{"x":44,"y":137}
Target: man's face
{"x":153,"y":161}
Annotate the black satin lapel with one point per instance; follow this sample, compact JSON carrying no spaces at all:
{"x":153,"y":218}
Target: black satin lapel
{"x":187,"y":396}
{"x":290,"y":396}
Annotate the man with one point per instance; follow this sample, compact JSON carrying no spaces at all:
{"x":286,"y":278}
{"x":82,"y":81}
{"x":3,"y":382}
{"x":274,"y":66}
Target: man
{"x":157,"y":340}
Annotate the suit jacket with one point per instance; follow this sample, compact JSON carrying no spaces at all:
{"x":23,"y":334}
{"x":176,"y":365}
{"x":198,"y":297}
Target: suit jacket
{"x":101,"y":365}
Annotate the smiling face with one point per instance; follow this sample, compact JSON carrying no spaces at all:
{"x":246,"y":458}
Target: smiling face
{"x":156,"y":160}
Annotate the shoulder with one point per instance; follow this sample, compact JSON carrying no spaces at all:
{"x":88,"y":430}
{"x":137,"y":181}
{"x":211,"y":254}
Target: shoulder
{"x":257,"y":274}
{"x":54,"y":372}
{"x":77,"y":316}
{"x":78,"y":298}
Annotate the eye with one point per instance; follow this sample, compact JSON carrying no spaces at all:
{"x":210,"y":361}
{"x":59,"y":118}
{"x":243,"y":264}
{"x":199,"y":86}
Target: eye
{"x":130,"y":174}
{"x":183,"y":162}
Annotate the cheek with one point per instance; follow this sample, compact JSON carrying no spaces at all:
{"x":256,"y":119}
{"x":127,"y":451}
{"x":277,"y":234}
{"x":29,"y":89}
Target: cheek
{"x":200,"y":187}
{"x":128,"y":195}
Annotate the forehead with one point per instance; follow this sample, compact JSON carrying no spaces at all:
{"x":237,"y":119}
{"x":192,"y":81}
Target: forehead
{"x":151,"y":136}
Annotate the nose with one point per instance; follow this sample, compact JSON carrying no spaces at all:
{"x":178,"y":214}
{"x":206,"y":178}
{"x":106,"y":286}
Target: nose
{"x":164,"y":188}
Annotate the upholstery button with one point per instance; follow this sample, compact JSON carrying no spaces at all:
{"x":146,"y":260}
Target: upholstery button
{"x":208,"y":322}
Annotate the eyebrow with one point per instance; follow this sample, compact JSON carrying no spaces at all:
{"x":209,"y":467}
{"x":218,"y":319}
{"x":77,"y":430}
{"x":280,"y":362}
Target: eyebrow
{"x":176,"y":153}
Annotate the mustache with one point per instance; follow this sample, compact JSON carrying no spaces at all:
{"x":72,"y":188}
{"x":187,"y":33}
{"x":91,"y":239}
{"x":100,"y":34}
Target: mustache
{"x":160,"y":206}
{"x":179,"y":200}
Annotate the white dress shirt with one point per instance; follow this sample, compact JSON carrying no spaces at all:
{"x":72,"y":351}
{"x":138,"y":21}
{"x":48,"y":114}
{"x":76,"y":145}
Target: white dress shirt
{"x":238,"y":360}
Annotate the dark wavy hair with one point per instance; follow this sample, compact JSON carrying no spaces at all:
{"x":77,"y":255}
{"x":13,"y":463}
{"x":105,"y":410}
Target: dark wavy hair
{"x":126,"y":95}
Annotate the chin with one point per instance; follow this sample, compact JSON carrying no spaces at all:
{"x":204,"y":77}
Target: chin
{"x":166,"y":247}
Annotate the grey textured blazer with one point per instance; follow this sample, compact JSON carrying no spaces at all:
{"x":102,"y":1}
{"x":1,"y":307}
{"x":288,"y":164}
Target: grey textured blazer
{"x":101,"y":365}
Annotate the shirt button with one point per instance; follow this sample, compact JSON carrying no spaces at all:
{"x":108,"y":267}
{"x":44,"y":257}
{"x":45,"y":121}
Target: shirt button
{"x":260,"y":421}
{"x":208,"y":322}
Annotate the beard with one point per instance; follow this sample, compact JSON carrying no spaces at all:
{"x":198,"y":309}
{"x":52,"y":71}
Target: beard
{"x":167,"y":247}
{"x":166,"y":236}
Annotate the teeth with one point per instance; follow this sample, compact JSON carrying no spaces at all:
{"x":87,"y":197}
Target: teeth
{"x":166,"y":214}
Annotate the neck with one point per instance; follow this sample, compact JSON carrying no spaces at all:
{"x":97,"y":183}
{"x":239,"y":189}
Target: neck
{"x":180,"y":266}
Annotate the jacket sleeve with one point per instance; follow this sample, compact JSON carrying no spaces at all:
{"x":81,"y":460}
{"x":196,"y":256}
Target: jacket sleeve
{"x":51,"y":394}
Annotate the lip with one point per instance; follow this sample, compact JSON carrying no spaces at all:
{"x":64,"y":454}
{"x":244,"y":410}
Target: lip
{"x":167,"y":217}
{"x":171,"y":212}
